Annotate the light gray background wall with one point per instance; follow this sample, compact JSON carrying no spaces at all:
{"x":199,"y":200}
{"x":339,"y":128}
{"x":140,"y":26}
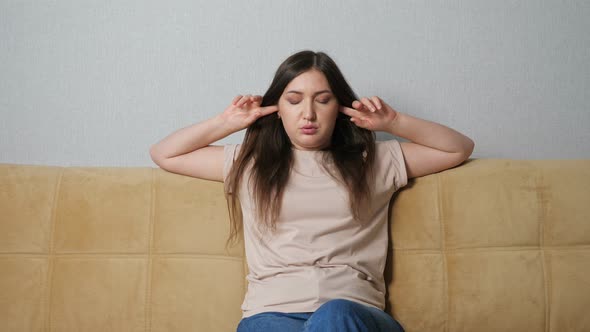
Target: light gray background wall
{"x":95,"y":83}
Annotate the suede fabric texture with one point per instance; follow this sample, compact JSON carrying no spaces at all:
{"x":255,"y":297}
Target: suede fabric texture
{"x":489,"y":245}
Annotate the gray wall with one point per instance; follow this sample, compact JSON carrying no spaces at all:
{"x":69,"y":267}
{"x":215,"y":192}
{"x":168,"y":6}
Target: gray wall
{"x":95,"y":83}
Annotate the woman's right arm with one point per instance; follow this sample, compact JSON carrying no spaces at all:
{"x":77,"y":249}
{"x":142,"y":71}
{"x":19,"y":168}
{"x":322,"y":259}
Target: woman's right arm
{"x":188,"y":151}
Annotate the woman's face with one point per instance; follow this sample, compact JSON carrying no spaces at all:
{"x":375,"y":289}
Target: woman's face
{"x":308,"y":110}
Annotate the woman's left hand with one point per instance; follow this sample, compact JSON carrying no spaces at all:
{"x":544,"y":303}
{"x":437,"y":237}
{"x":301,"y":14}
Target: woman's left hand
{"x":373,"y":114}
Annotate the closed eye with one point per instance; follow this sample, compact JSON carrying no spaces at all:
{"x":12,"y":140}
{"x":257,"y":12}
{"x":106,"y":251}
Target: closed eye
{"x":323,"y":101}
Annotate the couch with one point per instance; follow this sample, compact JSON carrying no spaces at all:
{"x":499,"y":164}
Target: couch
{"x":491,"y":245}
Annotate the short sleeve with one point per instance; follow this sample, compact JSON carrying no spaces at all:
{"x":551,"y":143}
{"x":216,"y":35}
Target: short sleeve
{"x":392,"y":162}
{"x":230,"y":153}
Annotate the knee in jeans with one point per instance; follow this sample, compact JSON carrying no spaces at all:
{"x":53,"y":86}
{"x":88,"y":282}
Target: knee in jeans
{"x":341,"y":306}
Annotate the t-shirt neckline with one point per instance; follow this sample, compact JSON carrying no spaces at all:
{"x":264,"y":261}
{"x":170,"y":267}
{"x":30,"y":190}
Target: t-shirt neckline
{"x":308,"y":162}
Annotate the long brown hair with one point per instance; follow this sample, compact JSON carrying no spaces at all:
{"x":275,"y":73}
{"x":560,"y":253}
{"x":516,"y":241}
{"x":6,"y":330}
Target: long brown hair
{"x":267,"y":148}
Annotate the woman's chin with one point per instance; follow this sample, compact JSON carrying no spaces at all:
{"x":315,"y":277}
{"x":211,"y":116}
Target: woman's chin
{"x":309,"y":145}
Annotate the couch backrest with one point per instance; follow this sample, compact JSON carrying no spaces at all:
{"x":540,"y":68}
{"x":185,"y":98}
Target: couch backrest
{"x":115,"y":249}
{"x":492,"y":244}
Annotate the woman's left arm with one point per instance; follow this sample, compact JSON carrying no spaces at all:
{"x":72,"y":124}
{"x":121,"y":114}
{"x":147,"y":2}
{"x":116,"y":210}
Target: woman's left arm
{"x":432,"y":148}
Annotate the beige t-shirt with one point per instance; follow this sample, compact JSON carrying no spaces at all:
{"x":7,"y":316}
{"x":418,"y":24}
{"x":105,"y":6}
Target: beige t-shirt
{"x":318,"y":252}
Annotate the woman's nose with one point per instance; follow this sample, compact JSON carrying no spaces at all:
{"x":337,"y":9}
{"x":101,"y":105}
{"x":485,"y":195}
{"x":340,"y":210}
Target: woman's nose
{"x":309,"y":113}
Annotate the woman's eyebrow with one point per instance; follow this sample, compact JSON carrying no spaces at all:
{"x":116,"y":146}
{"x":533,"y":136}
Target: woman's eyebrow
{"x":315,"y":94}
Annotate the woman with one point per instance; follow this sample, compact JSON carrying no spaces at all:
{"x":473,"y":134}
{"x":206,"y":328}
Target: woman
{"x":314,"y":189}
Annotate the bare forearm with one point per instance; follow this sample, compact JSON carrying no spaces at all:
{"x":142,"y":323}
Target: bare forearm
{"x":191,"y":138}
{"x":430,"y":134}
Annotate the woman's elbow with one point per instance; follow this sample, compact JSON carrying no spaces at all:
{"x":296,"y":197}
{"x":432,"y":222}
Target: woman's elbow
{"x":469,"y":147}
{"x":156,"y":158}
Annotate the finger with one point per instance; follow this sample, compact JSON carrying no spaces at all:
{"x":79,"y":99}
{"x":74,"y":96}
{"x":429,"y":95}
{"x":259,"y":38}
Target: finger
{"x":243,"y":100}
{"x":359,"y":106}
{"x":369,"y":104}
{"x":269,"y":109}
{"x":240,"y":102}
{"x":256,"y":100}
{"x":236,"y":98}
{"x":377,"y":102}
{"x":350,"y":111}
{"x":251,"y":99}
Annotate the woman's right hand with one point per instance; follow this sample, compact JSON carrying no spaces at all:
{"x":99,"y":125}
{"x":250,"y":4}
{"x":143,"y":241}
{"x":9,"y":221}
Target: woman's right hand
{"x":244,"y":110}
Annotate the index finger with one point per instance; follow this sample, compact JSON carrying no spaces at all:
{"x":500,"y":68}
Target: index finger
{"x":269,"y":109}
{"x":350,"y":111}
{"x":236,"y":98}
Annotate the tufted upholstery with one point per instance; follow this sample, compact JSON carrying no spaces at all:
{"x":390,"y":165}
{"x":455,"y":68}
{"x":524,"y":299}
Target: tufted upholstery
{"x":490,"y":245}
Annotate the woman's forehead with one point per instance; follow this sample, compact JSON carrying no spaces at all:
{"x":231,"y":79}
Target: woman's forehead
{"x":310,"y":82}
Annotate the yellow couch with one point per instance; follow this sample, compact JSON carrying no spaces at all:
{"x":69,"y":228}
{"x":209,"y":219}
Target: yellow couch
{"x":492,"y":245}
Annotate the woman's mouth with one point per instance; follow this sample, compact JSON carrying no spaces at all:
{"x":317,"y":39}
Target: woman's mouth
{"x":309,"y":129}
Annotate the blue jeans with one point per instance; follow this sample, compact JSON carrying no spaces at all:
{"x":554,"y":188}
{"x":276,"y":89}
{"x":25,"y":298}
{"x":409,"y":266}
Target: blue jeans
{"x":333,"y":316}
